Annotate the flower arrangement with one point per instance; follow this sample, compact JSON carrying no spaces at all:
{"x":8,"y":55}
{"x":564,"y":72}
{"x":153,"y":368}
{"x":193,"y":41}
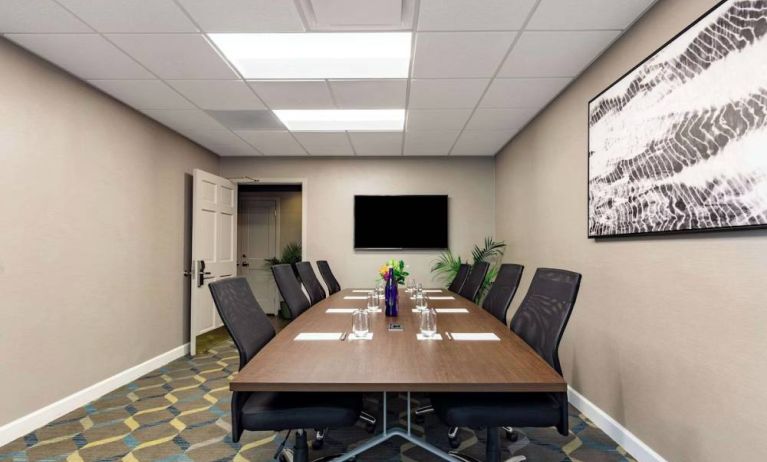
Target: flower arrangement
{"x":400,"y":271}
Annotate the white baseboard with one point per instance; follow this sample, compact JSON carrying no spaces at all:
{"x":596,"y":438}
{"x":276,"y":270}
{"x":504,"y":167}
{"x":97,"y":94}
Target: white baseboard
{"x":636,"y":447}
{"x":39,"y":418}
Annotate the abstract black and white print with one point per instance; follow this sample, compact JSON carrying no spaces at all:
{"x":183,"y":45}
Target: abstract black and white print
{"x":680,"y":142}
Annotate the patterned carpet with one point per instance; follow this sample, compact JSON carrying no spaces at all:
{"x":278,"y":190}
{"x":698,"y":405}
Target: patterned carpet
{"x":180,"y":412}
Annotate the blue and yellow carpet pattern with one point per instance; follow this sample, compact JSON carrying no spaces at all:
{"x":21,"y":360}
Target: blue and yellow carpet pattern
{"x":180,"y":413}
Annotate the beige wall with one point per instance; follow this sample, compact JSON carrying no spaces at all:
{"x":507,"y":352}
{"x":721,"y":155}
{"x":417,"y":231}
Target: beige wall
{"x":290,"y":214}
{"x":333,"y":182}
{"x":94,"y":235}
{"x":669,"y":333}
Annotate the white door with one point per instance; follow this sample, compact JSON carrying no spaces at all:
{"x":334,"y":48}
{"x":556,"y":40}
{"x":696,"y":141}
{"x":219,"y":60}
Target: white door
{"x":214,"y":236}
{"x":258,"y":236}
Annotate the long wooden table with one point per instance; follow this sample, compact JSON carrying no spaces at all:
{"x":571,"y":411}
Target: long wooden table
{"x":397,"y":361}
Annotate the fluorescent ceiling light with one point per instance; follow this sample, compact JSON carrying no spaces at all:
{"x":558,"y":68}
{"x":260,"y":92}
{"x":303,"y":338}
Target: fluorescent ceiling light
{"x":343,"y":119}
{"x":346,"y":55}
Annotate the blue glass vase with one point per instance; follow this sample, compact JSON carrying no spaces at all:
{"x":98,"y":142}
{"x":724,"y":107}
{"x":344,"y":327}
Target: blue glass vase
{"x":391,"y":295}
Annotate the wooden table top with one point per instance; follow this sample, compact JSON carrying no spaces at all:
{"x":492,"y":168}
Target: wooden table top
{"x":397,"y":361}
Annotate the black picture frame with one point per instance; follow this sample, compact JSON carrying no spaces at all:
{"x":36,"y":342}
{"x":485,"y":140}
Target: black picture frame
{"x":717,"y":229}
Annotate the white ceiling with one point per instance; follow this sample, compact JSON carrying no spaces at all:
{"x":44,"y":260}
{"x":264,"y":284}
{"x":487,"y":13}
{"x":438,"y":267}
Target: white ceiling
{"x":480,"y":70}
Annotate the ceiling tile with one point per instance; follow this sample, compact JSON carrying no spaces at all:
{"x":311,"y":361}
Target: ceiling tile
{"x":244,"y":15}
{"x":273,"y":142}
{"x":299,"y":94}
{"x":35,"y":16}
{"x":446,"y":93}
{"x":131,"y":15}
{"x":586,"y":14}
{"x":175,"y":56}
{"x":377,"y":144}
{"x":220,"y":95}
{"x":223,"y":142}
{"x":87,"y":56}
{"x":357,"y":13}
{"x":369,"y":94}
{"x":481,"y":142}
{"x":183,"y":120}
{"x":248,"y":120}
{"x":555,"y":54}
{"x":325,"y":144}
{"x":473,"y":15}
{"x":500,"y":119}
{"x":459,"y":54}
{"x":437,"y":119}
{"x":430,"y":142}
{"x":535,"y":93}
{"x":143,"y":94}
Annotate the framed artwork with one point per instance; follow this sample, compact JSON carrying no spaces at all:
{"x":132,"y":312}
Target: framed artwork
{"x":679,"y":143}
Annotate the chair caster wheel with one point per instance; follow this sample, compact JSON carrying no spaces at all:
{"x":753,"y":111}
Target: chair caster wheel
{"x":512,"y":436}
{"x":454,"y":442}
{"x":419,"y":419}
{"x":317,"y":444}
{"x":369,"y":427}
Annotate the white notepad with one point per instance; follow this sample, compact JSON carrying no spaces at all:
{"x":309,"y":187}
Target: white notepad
{"x":416,"y":310}
{"x":355,"y":297}
{"x":318,"y":336}
{"x":442,"y":298}
{"x":479,"y":336}
{"x":433,"y":337}
{"x":439,"y":291}
{"x":364,"y":291}
{"x":340,"y":310}
{"x":451,"y":310}
{"x":369,"y":336}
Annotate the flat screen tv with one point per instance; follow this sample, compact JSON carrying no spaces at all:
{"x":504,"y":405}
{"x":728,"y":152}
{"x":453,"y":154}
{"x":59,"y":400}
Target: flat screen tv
{"x":400,"y":222}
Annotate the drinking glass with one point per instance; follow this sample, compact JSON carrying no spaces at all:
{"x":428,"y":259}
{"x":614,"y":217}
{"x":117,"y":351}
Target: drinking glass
{"x":410,"y":285}
{"x":428,"y":323}
{"x":419,"y":287}
{"x":380,"y":289}
{"x":372,"y":300}
{"x":421,"y":303}
{"x":360,"y":323}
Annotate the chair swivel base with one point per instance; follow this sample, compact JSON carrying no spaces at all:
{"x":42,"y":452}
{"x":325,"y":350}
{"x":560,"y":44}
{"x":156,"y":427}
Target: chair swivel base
{"x":492,"y":447}
{"x":300,"y":451}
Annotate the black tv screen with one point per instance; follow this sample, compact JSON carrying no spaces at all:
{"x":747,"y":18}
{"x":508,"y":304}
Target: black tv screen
{"x":400,"y":222}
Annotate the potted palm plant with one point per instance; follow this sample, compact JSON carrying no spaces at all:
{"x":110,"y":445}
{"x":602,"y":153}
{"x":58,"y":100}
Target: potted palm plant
{"x":447,"y":265}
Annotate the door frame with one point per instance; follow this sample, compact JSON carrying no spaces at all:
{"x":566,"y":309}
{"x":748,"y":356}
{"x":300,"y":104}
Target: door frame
{"x":304,"y":182}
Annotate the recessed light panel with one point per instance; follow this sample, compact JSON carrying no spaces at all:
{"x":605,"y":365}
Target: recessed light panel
{"x":340,"y":119}
{"x":345,"y":55}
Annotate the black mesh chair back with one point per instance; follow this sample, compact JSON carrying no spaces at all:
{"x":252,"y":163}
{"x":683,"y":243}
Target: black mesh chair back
{"x":243,"y":317}
{"x":460,"y":278}
{"x":502,"y":291}
{"x":330,"y":281}
{"x":290,"y":289}
{"x":542,"y":317}
{"x":474,"y":281}
{"x":311,"y":283}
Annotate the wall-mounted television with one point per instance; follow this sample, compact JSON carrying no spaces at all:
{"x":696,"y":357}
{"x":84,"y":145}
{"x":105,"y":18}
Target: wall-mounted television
{"x":400,"y":222}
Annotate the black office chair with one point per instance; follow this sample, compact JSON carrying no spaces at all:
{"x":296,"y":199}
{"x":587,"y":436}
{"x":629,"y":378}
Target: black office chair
{"x":540,"y":321}
{"x":251,"y":330}
{"x":311,"y":283}
{"x":460,"y":278}
{"x":290,"y":289}
{"x":474,"y":281}
{"x":330,"y":281}
{"x":502,"y":291}
{"x":294,"y":297}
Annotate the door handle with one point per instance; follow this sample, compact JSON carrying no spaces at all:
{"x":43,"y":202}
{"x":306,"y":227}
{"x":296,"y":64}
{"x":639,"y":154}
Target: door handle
{"x":201,"y":274}
{"x":245,"y":263}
